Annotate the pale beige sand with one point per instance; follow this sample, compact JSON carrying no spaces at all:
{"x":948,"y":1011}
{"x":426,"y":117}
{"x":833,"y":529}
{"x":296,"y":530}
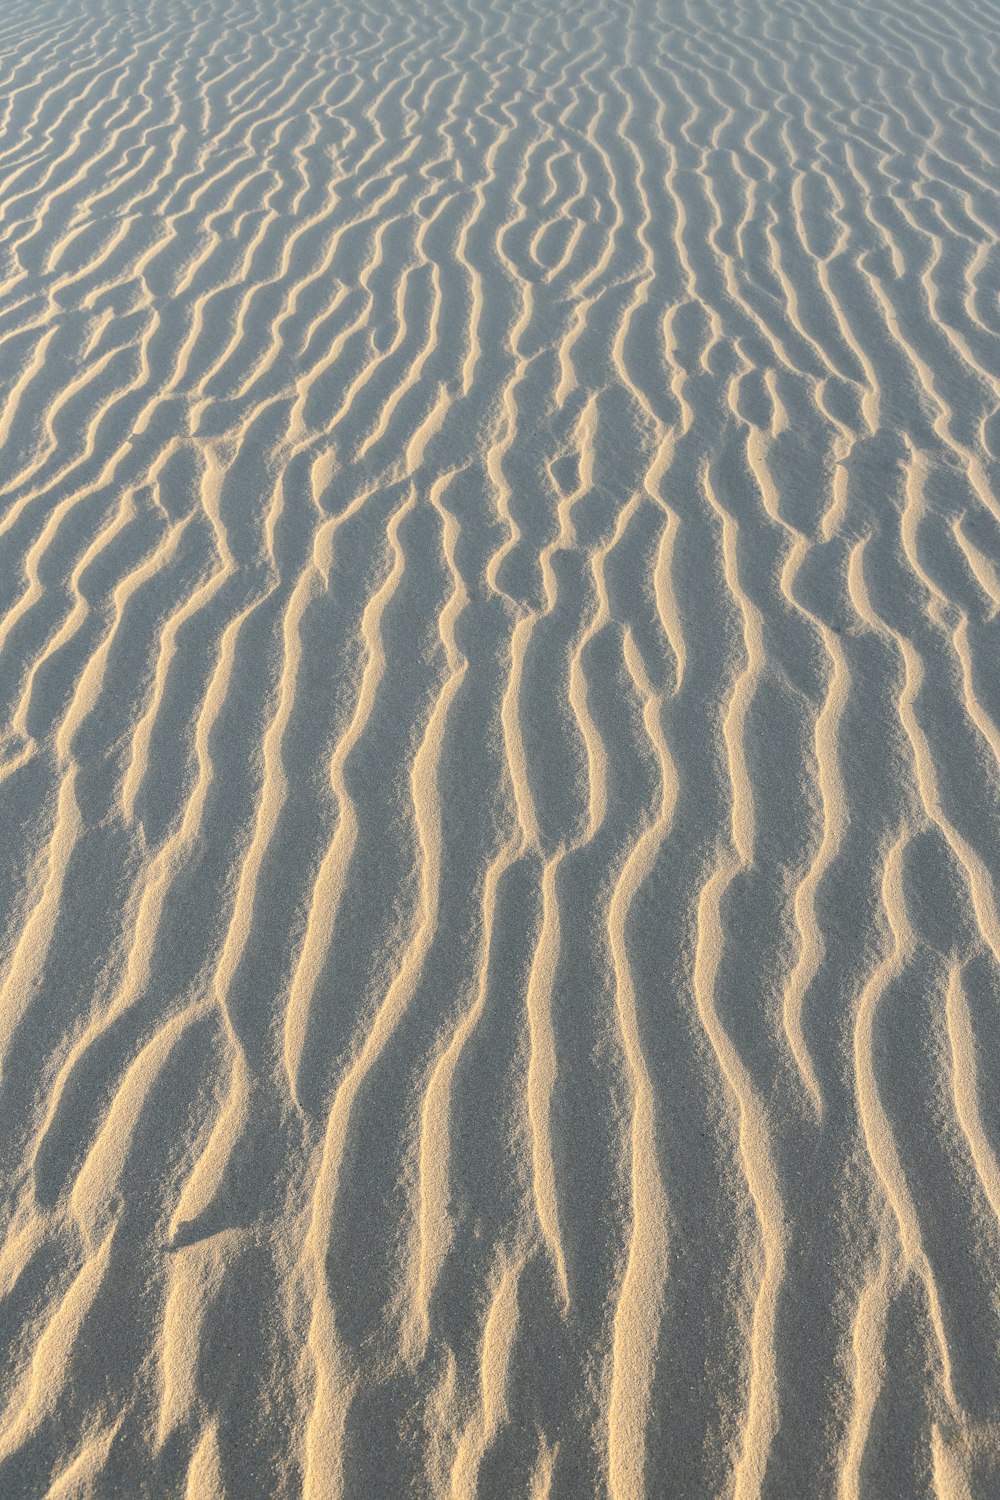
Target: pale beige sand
{"x":499,"y":576}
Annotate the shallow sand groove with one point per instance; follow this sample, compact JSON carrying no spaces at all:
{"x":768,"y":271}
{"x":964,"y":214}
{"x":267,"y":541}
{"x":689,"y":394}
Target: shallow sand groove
{"x":499,"y":577}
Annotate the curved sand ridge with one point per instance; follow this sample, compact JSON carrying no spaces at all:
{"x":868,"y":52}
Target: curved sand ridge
{"x":500,"y":565}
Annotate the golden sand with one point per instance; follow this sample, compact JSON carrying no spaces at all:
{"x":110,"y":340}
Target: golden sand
{"x":500,"y":767}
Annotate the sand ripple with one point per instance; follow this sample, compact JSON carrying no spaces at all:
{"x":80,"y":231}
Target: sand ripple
{"x":499,"y":581}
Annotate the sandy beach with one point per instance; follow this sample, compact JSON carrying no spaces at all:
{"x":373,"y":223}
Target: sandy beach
{"x":499,"y":750}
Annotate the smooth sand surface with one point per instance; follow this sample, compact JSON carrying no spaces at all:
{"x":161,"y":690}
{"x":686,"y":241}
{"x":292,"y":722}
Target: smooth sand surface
{"x":499,"y":819}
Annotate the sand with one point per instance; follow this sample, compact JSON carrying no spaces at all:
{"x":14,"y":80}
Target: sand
{"x":500,"y":770}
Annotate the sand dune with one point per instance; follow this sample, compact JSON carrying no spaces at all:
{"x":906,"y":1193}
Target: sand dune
{"x":500,"y":758}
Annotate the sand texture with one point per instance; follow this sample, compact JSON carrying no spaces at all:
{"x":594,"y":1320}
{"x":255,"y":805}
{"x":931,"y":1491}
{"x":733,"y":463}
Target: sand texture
{"x":499,"y":817}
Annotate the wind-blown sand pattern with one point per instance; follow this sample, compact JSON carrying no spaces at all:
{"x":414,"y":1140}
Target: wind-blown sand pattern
{"x":499,"y":656}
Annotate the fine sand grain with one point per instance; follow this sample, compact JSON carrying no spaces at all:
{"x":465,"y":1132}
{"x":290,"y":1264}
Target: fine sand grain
{"x":499,"y":817}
